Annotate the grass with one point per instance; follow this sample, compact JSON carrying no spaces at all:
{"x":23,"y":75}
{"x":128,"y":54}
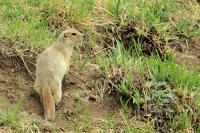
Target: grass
{"x":21,"y":80}
{"x":34,"y":25}
{"x":12,"y":118}
{"x":85,"y":8}
{"x":177,"y":75}
{"x":173,"y":77}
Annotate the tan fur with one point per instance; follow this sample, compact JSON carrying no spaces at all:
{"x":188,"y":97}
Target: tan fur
{"x":51,"y":67}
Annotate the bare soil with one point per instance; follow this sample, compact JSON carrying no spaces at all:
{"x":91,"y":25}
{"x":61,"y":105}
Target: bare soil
{"x":191,"y":56}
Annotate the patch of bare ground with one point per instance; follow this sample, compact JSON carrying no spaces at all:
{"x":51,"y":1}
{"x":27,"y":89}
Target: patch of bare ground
{"x":190,"y":56}
{"x":5,"y":129}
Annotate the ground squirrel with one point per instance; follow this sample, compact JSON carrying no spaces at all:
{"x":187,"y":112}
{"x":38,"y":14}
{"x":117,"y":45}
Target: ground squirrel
{"x":51,"y":67}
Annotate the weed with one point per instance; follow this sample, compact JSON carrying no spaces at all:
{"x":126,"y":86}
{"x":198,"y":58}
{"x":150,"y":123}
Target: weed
{"x":114,"y":6}
{"x":33,"y":127}
{"x":82,"y":64}
{"x":108,"y":125}
{"x":80,"y":9}
{"x":11,"y":117}
{"x":157,"y":90}
{"x":130,"y":126}
{"x":21,"y":80}
{"x":181,"y":122}
{"x":176,"y":75}
{"x":80,"y":119}
{"x":186,"y":29}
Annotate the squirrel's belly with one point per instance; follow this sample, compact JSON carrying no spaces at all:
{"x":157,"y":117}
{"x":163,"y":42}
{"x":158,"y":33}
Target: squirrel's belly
{"x":62,"y":70}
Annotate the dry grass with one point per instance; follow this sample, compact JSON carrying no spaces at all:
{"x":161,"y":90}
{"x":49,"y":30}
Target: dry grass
{"x":143,"y":82}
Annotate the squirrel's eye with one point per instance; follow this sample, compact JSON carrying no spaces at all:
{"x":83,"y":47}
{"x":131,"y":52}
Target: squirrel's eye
{"x":73,"y":34}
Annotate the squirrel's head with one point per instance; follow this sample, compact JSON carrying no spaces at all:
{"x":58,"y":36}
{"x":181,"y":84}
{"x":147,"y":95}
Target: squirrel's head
{"x":71,"y":37}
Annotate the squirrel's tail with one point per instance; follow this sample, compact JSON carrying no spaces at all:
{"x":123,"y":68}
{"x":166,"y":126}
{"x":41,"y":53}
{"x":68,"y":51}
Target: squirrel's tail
{"x":49,"y":105}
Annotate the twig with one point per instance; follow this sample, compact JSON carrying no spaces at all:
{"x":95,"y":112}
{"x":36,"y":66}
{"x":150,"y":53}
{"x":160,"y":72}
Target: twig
{"x":101,"y":8}
{"x":100,"y":51}
{"x":26,"y":66}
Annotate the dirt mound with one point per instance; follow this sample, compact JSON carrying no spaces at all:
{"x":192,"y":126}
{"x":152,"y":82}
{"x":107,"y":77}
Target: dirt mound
{"x":150,"y":44}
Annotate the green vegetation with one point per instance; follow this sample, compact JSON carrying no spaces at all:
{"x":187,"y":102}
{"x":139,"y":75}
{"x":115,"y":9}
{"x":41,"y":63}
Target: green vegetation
{"x":144,"y":83}
{"x":11,"y":116}
{"x":143,"y":80}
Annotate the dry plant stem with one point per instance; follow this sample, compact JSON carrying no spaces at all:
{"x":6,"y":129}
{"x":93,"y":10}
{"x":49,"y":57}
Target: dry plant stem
{"x":179,"y":31}
{"x":21,"y":57}
{"x":100,"y":51}
{"x":187,"y":46}
{"x":101,"y":8}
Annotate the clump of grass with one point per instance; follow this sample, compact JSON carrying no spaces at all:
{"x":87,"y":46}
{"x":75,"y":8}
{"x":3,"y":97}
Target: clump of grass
{"x":12,"y":118}
{"x":183,"y":124}
{"x":115,"y":7}
{"x":130,"y":126}
{"x":33,"y":128}
{"x":80,"y":9}
{"x":177,"y":75}
{"x":82,"y":117}
{"x":21,"y":80}
{"x":186,"y":29}
{"x":82,"y":64}
{"x":157,"y":12}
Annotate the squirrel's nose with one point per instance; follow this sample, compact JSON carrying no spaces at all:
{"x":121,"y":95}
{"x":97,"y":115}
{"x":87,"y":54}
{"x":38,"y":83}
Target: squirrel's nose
{"x":85,"y":36}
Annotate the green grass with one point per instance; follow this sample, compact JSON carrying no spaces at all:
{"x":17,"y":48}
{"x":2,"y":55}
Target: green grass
{"x":115,"y":7}
{"x":129,"y":128}
{"x":85,"y":8}
{"x":12,"y":118}
{"x":21,"y":80}
{"x":35,"y":25}
{"x":175,"y":77}
{"x":24,"y":20}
